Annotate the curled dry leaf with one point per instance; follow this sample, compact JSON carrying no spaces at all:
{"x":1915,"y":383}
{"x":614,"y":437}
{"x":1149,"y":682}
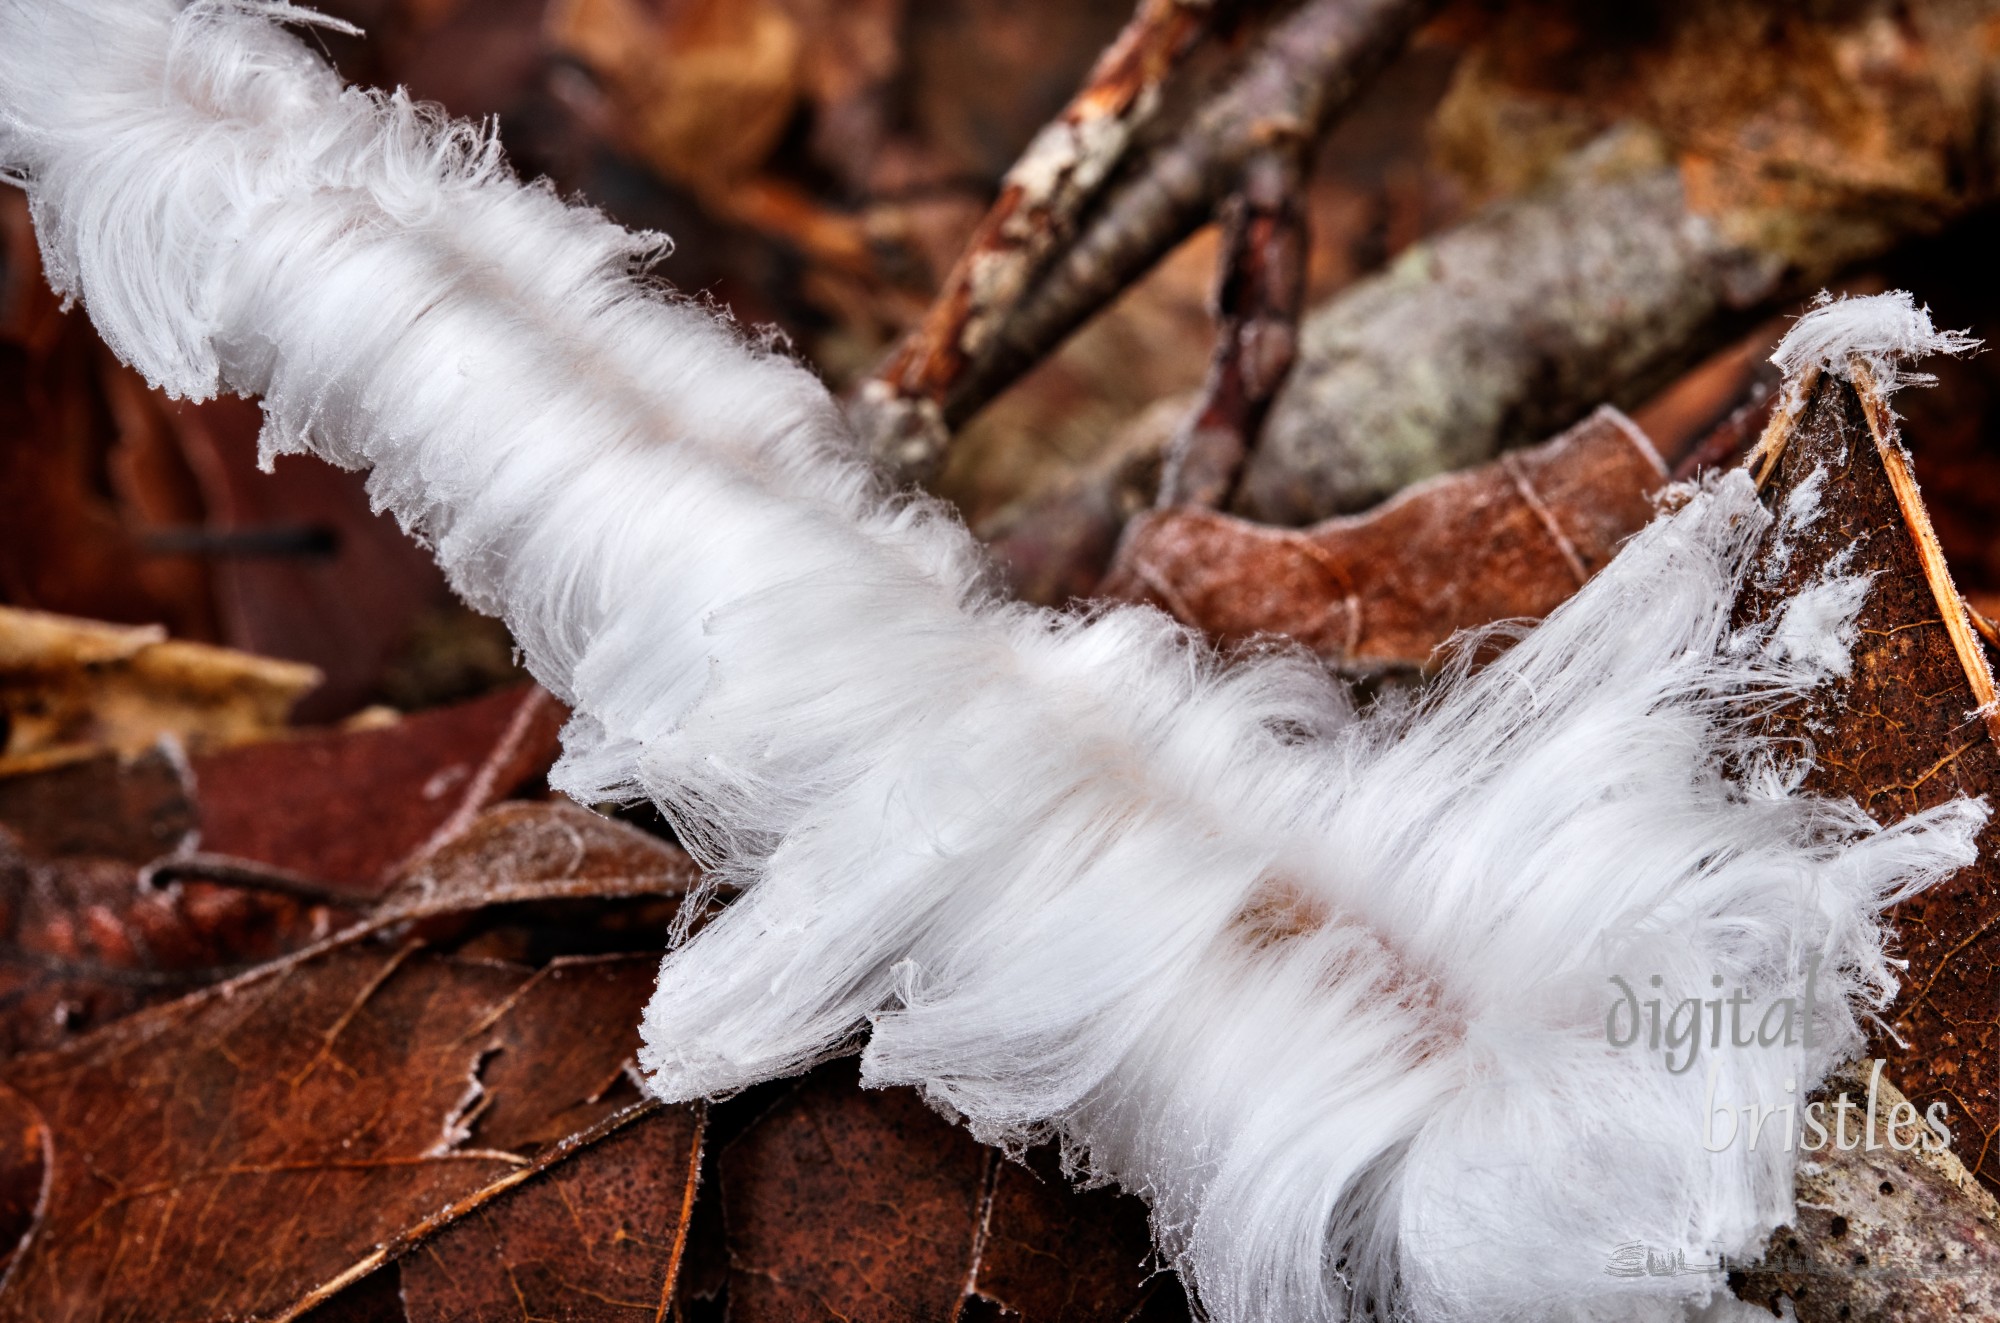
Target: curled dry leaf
{"x":72,"y":688}
{"x":1380,"y":591}
{"x":515,"y":853}
{"x":1057,"y":543}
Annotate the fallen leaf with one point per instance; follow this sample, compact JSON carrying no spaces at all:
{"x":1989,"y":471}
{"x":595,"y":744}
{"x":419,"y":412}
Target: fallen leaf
{"x":704,"y":87}
{"x":841,"y":1202}
{"x":249,"y":1150}
{"x":515,"y":853}
{"x":599,"y":1237}
{"x":126,"y":506}
{"x":347,"y":807}
{"x":85,"y":936}
{"x":90,"y":932}
{"x":1380,"y":591}
{"x":73,"y":688}
{"x":1903,"y":732}
{"x":1812,"y":133}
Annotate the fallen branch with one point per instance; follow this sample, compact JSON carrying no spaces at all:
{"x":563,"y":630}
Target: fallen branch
{"x":1310,"y":66}
{"x":1597,"y":288}
{"x":1036,"y":212}
{"x":1258,"y":294}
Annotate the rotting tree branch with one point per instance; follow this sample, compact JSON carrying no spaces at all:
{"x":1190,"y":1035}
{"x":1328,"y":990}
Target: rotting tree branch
{"x":1308,"y":67}
{"x":1037,"y":211}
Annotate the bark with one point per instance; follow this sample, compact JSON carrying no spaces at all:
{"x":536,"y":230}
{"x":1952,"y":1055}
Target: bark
{"x":1597,"y":288}
{"x":1308,"y":67}
{"x":1257,"y":300}
{"x":1036,"y":212}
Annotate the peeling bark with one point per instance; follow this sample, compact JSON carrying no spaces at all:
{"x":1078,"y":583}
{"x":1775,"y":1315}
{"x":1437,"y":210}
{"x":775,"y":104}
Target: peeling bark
{"x":1308,"y":67}
{"x":1037,"y":211}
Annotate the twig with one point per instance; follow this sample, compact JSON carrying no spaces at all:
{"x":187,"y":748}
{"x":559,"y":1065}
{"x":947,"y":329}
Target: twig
{"x":1309,"y":66}
{"x":1040,"y":201}
{"x":1258,"y":296}
{"x":1984,"y":624}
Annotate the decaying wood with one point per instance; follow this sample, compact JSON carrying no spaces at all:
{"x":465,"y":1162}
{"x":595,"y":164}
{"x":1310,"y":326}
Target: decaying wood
{"x":1036,"y":212}
{"x":1310,"y":65}
{"x":1257,"y":300}
{"x":1902,"y":732}
{"x":1881,"y":1234}
{"x":1787,"y":142}
{"x":1597,"y":288}
{"x":1380,"y":591}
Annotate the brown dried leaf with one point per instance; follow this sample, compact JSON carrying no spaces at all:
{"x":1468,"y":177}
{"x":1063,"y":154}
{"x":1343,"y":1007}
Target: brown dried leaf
{"x":597,"y":1239}
{"x":89,"y":933}
{"x":1903,"y":734}
{"x":1058,"y":1255}
{"x":1810,"y":133}
{"x":126,"y":506}
{"x":513,"y":853}
{"x":85,"y":937}
{"x":842,"y":1202}
{"x":73,"y":688}
{"x":347,"y":807}
{"x":1893,"y":1236}
{"x":65,"y":544}
{"x":704,"y":87}
{"x":248,"y":1151}
{"x":1382,"y":590}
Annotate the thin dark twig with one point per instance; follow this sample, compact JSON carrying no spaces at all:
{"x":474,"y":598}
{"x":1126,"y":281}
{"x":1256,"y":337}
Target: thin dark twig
{"x":1259,"y":293}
